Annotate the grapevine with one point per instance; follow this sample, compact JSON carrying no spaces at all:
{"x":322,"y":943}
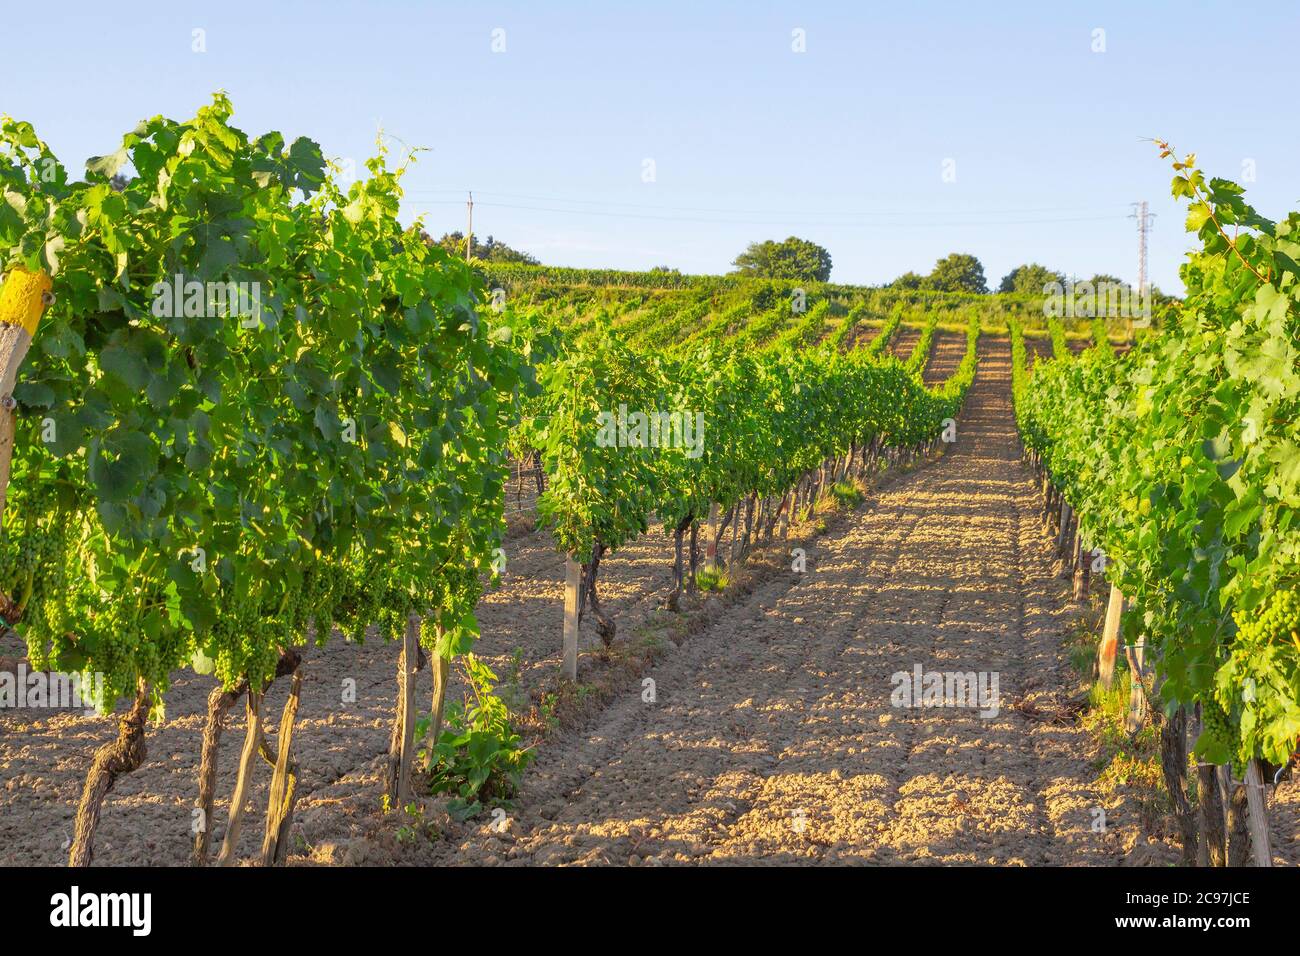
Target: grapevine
{"x":1180,"y":459}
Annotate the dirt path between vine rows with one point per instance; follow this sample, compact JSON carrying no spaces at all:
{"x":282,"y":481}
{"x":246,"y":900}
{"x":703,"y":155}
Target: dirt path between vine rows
{"x":771,"y":737}
{"x":946,"y":351}
{"x":904,"y":340}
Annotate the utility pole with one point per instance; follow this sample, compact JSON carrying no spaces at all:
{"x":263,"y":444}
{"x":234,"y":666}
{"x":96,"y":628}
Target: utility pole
{"x":1144,"y":225}
{"x":1143,"y":218}
{"x":469,"y":232}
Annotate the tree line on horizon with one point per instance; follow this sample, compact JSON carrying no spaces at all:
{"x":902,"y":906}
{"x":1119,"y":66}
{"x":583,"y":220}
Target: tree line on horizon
{"x":799,"y":259}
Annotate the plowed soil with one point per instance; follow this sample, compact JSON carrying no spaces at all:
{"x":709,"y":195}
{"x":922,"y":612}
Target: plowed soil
{"x":768,"y":734}
{"x":904,"y":340}
{"x":946,"y":352}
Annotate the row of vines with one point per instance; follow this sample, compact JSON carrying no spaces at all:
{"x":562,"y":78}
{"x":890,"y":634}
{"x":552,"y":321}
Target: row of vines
{"x":748,"y":435}
{"x":1180,"y":460}
{"x":209,"y":481}
{"x":198,"y":486}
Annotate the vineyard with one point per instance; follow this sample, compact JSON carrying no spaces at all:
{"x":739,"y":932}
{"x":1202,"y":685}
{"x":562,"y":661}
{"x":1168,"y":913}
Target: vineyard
{"x":420,"y":559}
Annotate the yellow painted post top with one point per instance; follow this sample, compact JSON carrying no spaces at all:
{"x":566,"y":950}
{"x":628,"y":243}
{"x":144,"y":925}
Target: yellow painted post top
{"x":22,"y":298}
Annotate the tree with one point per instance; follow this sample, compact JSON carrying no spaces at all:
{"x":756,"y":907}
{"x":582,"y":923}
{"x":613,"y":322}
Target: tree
{"x":489,"y":250}
{"x":909,"y":280}
{"x":959,"y":272}
{"x":1158,"y":298}
{"x":794,"y":258}
{"x":1030,"y":278}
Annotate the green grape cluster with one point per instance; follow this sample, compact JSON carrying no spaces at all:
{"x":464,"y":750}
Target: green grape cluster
{"x":33,"y":558}
{"x":1278,"y":619}
{"x":315,"y":601}
{"x":1275,"y":622}
{"x":1219,"y":734}
{"x":360,"y":599}
{"x":233,"y":637}
{"x":1214,"y":720}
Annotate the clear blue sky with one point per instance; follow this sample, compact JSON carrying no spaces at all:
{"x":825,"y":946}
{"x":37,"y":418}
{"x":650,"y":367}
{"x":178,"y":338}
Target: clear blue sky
{"x":843,"y":144}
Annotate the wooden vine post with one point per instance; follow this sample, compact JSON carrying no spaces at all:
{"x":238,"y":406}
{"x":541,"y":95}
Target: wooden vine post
{"x":220,"y":701}
{"x":238,"y":800}
{"x":1110,"y":638}
{"x":572,"y":585}
{"x":1082,"y":569}
{"x":441,"y":672}
{"x":402,"y":741}
{"x":1257,"y":815}
{"x":1063,"y":529}
{"x":735,"y":534}
{"x":1137,"y":697}
{"x":711,"y":539}
{"x":23,"y":299}
{"x":284,"y":780}
{"x":1212,"y":848}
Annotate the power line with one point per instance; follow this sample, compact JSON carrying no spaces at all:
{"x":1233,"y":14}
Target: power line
{"x":614,"y":214}
{"x":748,"y":212}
